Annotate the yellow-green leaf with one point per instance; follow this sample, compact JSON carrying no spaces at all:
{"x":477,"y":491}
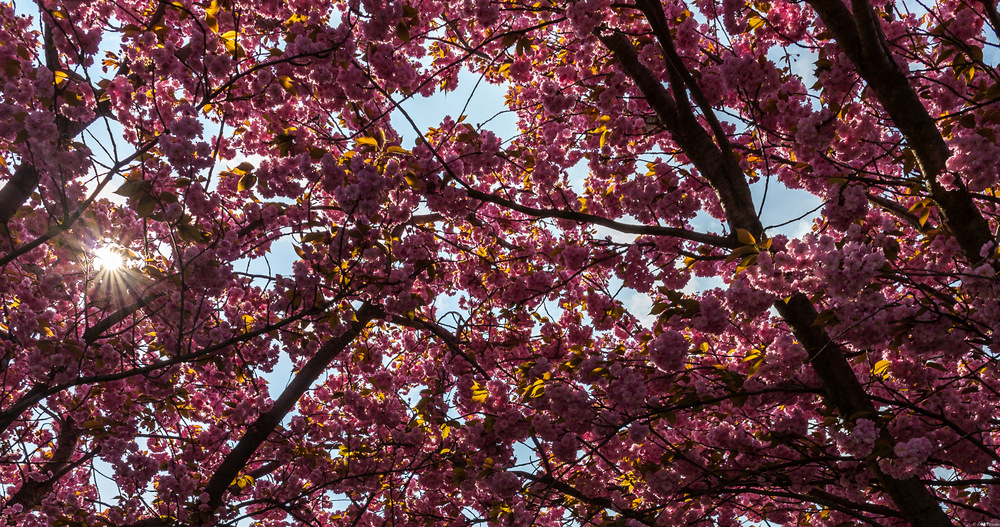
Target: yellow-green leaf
{"x":243,"y":480}
{"x":739,"y":253}
{"x":229,"y":39}
{"x":286,"y":83}
{"x":755,"y":367}
{"x":881,"y":367}
{"x":394,"y":149}
{"x":745,"y":237}
{"x":922,"y":203}
{"x":924,"y":216}
{"x":479,"y":394}
{"x":247,"y":181}
{"x":212,"y":23}
{"x":314,"y":237}
{"x":747,"y":262}
{"x":243,"y":168}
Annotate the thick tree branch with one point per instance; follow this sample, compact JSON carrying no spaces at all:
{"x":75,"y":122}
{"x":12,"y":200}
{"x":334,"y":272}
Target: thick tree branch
{"x":17,"y":190}
{"x":728,"y":181}
{"x":843,"y":390}
{"x":33,"y":490}
{"x":860,"y":37}
{"x":653,"y":11}
{"x":26,"y":177}
{"x":94,"y":332}
{"x":848,"y":396}
{"x":991,"y":12}
{"x":259,"y":431}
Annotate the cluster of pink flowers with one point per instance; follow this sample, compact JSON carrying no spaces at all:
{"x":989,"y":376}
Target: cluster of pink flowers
{"x":315,"y":322}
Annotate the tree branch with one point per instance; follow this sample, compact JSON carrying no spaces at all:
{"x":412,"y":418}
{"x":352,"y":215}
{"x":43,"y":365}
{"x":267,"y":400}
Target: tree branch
{"x":848,"y":396}
{"x":32,"y":490}
{"x":42,"y":390}
{"x":641,"y":230}
{"x":843,"y":390}
{"x":860,"y":37}
{"x":26,"y":177}
{"x":443,"y":334}
{"x":569,"y":490}
{"x":259,"y":431}
{"x":94,"y":332}
{"x":899,"y":211}
{"x":17,"y":190}
{"x":653,"y":11}
{"x":728,"y":180}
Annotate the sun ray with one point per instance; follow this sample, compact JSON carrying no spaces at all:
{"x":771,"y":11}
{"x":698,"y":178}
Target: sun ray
{"x":108,"y":259}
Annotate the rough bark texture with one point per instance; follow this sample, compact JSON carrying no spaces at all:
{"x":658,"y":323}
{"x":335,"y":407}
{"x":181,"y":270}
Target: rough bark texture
{"x":843,"y":390}
{"x":259,"y":431}
{"x":861,"y":39}
{"x":848,"y":396}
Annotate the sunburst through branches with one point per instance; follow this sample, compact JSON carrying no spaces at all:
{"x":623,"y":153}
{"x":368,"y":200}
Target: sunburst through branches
{"x":114,"y":279}
{"x":108,"y":259}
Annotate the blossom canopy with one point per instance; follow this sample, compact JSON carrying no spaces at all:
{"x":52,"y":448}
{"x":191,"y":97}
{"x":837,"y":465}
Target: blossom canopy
{"x":653,"y":262}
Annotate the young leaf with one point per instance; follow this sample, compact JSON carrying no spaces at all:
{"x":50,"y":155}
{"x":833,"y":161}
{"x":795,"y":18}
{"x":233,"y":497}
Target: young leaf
{"x":479,"y":394}
{"x":745,"y":237}
{"x":246,"y":182}
{"x":881,"y":368}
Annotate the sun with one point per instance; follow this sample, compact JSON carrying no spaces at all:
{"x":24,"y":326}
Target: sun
{"x":108,"y":259}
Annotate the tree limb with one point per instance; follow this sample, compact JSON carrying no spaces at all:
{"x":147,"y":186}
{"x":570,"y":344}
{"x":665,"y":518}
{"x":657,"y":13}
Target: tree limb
{"x":843,"y":390}
{"x":32,"y":491}
{"x":728,"y":180}
{"x":26,"y":177}
{"x":259,"y":431}
{"x":916,"y":504}
{"x":860,"y":37}
{"x":641,"y":230}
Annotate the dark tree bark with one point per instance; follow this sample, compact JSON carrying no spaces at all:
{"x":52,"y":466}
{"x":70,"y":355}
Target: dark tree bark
{"x":842,"y":389}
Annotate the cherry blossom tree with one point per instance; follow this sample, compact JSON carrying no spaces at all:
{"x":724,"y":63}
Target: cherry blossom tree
{"x":456,"y":325}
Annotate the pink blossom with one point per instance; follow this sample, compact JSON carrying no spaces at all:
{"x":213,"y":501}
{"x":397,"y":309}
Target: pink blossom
{"x":668,"y":350}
